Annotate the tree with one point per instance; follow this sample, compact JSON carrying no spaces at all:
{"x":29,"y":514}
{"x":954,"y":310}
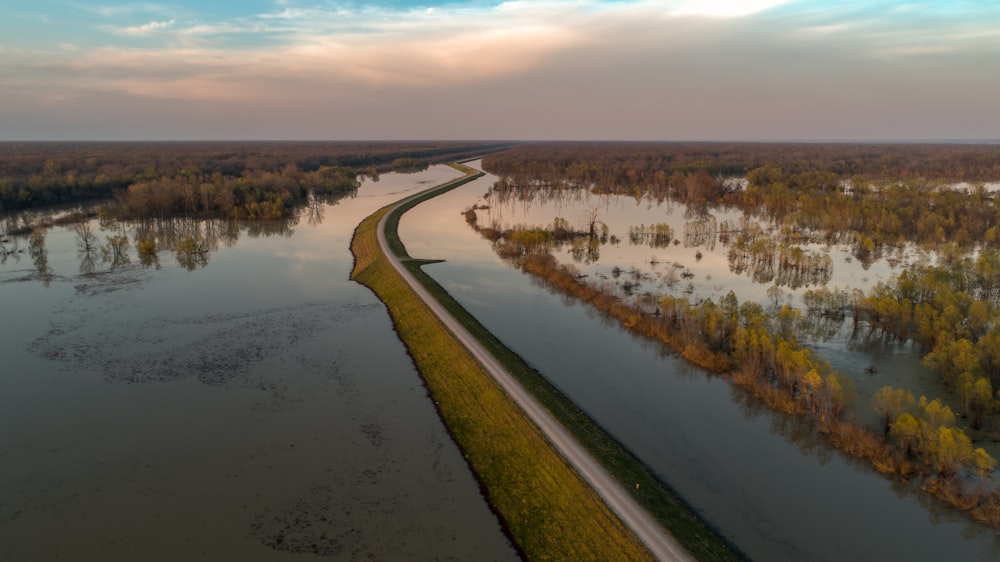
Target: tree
{"x":87,"y":241}
{"x":981,"y":400}
{"x":936,"y":413}
{"x":982,"y":462}
{"x":590,"y":217}
{"x":953,"y":451}
{"x":952,"y":359}
{"x":192,"y":252}
{"x":890,"y":403}
{"x":906,"y":431}
{"x":40,"y":254}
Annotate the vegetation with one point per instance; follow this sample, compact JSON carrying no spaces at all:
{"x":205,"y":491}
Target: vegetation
{"x":871,"y":198}
{"x":150,"y":192}
{"x":759,"y":352}
{"x":39,"y":174}
{"x":548,"y":510}
{"x":658,"y":235}
{"x":874,"y":197}
{"x":765,"y":259}
{"x":409,"y":165}
{"x":254,"y":195}
{"x":687,"y":170}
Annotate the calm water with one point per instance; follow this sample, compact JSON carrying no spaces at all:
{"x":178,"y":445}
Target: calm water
{"x":255,"y":407}
{"x":765,"y":480}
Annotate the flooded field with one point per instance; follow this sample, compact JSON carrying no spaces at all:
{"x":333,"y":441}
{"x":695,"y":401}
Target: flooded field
{"x":647,"y":249}
{"x":250,"y":404}
{"x":767,"y":481}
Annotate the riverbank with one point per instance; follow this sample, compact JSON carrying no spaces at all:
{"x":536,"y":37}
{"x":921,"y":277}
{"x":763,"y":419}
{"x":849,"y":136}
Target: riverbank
{"x":473,"y":418}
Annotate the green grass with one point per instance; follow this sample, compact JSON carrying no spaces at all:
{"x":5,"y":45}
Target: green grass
{"x":549,"y":512}
{"x":660,"y":501}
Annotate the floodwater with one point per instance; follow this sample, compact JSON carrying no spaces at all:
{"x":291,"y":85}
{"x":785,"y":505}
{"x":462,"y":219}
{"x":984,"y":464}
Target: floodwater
{"x":250,"y":404}
{"x":765,"y":480}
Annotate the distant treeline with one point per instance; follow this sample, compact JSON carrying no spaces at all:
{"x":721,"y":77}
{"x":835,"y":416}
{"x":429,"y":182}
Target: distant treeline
{"x":253,"y":195}
{"x":619,"y":166}
{"x":874,"y":197}
{"x":47,"y":173}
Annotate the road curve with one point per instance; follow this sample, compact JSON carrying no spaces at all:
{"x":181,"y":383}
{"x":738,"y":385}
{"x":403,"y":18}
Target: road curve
{"x":659,"y":542}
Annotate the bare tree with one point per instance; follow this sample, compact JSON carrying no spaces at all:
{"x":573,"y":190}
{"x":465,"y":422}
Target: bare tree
{"x":86,"y":242}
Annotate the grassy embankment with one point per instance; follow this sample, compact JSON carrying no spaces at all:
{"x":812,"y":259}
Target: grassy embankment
{"x":547,"y":509}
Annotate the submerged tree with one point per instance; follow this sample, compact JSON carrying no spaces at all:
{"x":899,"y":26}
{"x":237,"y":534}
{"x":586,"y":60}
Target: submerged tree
{"x":40,"y":255}
{"x":192,"y":252}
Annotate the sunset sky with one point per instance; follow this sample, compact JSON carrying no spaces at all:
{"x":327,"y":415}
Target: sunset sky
{"x":551,"y":69}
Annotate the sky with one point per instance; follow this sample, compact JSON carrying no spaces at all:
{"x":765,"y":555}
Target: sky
{"x":752,"y":70}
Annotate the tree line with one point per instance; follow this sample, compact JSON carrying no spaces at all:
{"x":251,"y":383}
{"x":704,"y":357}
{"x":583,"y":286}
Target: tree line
{"x":620,"y":166}
{"x":876,"y":197}
{"x":46,"y":173}
{"x":253,"y":195}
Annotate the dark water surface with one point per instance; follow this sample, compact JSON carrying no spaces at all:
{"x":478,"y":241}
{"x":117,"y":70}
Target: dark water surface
{"x":259,"y":407}
{"x":767,"y":481}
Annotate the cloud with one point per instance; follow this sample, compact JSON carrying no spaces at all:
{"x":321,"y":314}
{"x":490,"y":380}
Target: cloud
{"x":391,"y":48}
{"x":579,"y":69}
{"x":144,"y":30}
{"x":117,"y":10}
{"x":725,"y":8}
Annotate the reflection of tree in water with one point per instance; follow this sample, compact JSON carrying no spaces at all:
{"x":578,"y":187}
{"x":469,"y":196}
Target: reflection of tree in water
{"x":8,"y":248}
{"x":586,"y":250}
{"x":821,"y":327}
{"x":520,"y":197}
{"x":198,"y":237}
{"x":753,"y":251}
{"x":701,"y":231}
{"x":115,"y":250}
{"x":40,"y":255}
{"x":87,"y":246}
{"x":88,"y":263}
{"x":811,"y":442}
{"x":192,"y":252}
{"x":656,"y":236}
{"x":314,"y":210}
{"x":150,"y":258}
{"x":193,"y":239}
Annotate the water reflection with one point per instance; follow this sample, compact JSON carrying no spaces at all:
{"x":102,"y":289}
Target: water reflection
{"x":265,"y":389}
{"x":701,"y":232}
{"x":767,"y":480}
{"x":40,"y":256}
{"x":8,"y":248}
{"x":87,"y":246}
{"x":725,"y":244}
{"x":105,"y":243}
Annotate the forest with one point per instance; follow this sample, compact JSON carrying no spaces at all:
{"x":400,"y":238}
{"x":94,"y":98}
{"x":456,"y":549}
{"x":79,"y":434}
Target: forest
{"x":876,"y":199}
{"x":255,"y":180}
{"x":184,"y":196}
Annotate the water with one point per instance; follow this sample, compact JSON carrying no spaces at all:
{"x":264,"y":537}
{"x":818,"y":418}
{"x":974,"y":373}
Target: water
{"x":257,"y":407}
{"x":766,"y":481}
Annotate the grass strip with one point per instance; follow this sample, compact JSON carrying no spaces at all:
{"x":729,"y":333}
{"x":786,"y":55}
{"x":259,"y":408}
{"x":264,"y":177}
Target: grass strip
{"x":546,"y":508}
{"x":690,"y":530}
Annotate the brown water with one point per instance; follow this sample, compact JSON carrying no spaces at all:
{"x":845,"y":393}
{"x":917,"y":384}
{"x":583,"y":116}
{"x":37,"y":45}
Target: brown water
{"x":258,"y":406}
{"x":766,"y":481}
